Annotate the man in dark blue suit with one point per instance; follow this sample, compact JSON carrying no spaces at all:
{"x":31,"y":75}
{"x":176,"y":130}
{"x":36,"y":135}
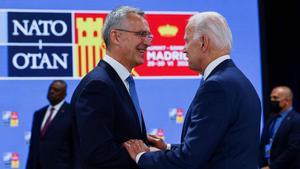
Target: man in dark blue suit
{"x":51,"y":134}
{"x":105,"y":104}
{"x":222,"y":126}
{"x":280,"y":143}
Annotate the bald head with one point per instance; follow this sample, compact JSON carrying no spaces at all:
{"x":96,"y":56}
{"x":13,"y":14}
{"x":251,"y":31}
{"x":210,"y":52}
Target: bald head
{"x":283,"y":95}
{"x":284,"y":91}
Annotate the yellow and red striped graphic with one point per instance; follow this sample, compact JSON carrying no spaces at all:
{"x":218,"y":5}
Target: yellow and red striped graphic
{"x":90,"y":47}
{"x":164,"y":58}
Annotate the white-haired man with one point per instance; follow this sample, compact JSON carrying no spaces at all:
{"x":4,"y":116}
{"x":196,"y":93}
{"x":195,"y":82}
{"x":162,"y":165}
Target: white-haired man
{"x":222,"y":126}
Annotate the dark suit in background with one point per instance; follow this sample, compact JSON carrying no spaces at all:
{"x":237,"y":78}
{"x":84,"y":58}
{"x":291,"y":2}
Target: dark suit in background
{"x":280,"y":142}
{"x":53,"y":150}
{"x":285,"y":151}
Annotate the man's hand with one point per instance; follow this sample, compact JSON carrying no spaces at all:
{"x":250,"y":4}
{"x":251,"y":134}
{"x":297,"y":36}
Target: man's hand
{"x":157,"y":142}
{"x":266,"y":167}
{"x":134,"y":147}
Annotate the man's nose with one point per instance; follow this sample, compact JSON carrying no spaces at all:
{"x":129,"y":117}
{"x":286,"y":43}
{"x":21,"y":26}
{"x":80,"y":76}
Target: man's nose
{"x":148,"y":41}
{"x":184,"y":50}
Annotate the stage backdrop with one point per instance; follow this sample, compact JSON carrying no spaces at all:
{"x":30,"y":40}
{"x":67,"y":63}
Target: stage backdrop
{"x":41,"y":41}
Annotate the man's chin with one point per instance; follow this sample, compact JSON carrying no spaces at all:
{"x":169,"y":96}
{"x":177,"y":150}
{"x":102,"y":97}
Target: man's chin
{"x":140,"y":62}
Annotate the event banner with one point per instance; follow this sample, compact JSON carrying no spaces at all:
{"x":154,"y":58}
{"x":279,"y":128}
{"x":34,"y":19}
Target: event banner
{"x":70,"y":44}
{"x":38,"y":46}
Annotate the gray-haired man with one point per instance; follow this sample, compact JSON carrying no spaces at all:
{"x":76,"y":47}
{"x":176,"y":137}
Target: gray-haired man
{"x":105,"y":104}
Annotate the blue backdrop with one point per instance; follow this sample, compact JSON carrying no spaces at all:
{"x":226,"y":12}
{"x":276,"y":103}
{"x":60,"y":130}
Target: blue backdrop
{"x":161,"y":98}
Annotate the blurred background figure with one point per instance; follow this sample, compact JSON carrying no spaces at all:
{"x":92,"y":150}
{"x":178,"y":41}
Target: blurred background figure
{"x":280,"y":142}
{"x":50,"y":143}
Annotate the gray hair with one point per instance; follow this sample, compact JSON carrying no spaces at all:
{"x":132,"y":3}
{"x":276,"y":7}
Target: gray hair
{"x":114,"y":20}
{"x":215,"y":26}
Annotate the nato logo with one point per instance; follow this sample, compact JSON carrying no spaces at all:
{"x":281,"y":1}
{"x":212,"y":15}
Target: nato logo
{"x":176,"y":114}
{"x":10,"y":118}
{"x":39,"y":27}
{"x":30,"y":61}
{"x":158,"y":132}
{"x":27,"y":136}
{"x":11,"y":160}
{"x":42,"y":44}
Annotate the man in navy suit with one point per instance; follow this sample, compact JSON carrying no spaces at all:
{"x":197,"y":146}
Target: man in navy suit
{"x":280,"y":144}
{"x":51,"y":134}
{"x":105,"y":104}
{"x":222,"y":125}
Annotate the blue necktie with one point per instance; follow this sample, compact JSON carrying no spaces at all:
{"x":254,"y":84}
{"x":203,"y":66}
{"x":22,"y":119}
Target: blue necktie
{"x":135,"y":98}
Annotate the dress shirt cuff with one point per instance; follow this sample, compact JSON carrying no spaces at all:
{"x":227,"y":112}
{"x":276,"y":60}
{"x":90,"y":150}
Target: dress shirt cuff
{"x":168,"y":147}
{"x":138,"y":156}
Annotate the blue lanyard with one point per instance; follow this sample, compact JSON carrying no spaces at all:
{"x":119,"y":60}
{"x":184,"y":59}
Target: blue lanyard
{"x":272,"y":127}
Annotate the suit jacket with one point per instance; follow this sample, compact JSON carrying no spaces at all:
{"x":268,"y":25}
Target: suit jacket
{"x":54,"y":149}
{"x":104,"y":118}
{"x":221,"y":128}
{"x":285,"y":151}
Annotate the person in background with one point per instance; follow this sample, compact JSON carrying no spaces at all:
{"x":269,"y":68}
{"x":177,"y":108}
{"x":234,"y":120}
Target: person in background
{"x":51,"y":134}
{"x":280,"y":143}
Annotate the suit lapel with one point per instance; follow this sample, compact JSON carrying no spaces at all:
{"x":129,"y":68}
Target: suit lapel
{"x":220,"y":67}
{"x":186,"y":123}
{"x":283,"y":127}
{"x":266,"y":132}
{"x":187,"y":119}
{"x":56,"y":118}
{"x":41,"y":118}
{"x":122,"y":90}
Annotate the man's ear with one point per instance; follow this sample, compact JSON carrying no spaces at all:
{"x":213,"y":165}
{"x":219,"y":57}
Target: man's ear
{"x":114,"y":37}
{"x":205,"y":42}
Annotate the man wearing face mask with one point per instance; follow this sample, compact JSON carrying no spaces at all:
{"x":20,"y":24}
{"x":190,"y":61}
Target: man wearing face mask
{"x":280,"y":142}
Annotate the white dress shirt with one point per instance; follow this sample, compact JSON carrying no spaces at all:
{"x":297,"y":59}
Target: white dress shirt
{"x":210,"y":67}
{"x":119,"y":68}
{"x":56,"y":108}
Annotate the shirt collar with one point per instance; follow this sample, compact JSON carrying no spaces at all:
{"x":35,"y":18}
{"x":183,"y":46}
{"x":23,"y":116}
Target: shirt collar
{"x":285,"y":113}
{"x":57,"y":106}
{"x":213,"y":65}
{"x":118,"y":67}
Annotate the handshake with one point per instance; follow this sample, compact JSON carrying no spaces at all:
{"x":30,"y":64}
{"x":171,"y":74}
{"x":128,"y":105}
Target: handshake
{"x":134,"y":147}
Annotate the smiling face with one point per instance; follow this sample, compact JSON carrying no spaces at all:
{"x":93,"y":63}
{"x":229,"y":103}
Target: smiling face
{"x":132,"y":47}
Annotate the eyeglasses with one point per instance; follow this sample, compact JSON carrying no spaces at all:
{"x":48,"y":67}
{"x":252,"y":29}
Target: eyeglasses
{"x":142,"y":34}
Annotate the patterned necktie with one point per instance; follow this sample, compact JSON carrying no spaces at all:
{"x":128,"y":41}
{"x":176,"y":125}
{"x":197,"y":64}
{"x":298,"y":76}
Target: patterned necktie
{"x":135,"y":98}
{"x":48,"y":121}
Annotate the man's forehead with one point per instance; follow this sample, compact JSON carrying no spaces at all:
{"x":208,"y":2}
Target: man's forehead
{"x":134,"y":17}
{"x":277,"y":92}
{"x":189,"y":28}
{"x":57,"y":84}
{"x":135,"y":20}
